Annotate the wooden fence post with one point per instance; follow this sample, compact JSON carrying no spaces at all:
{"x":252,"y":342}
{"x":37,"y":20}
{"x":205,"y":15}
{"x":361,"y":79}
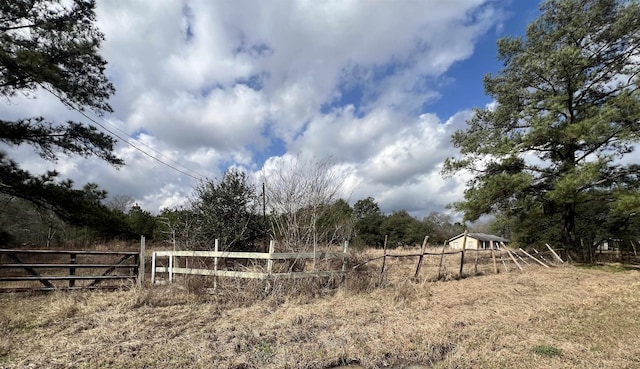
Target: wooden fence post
{"x":424,"y":244}
{"x":503,"y":263}
{"x":216,"y":247}
{"x":464,"y":246}
{"x":153,"y":268}
{"x":475,"y":263}
{"x":72,"y":270}
{"x":554,"y":254}
{"x":541,"y":256}
{"x":141,"y":270}
{"x":520,"y":257}
{"x":444,"y":246}
{"x":493,"y":257}
{"x":345,"y":250}
{"x":171,"y":267}
{"x":384,"y":258}
{"x":272,"y":248}
{"x":512,"y":258}
{"x":529,"y":255}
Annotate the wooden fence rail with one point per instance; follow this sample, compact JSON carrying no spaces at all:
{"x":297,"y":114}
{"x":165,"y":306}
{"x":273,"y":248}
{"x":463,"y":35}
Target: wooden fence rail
{"x":500,"y":253}
{"x":41,"y":266}
{"x":268,"y":272}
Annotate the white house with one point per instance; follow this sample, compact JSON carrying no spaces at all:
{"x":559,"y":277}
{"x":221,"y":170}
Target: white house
{"x":477,"y":241}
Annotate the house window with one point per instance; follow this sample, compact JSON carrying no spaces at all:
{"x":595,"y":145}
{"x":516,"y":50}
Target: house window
{"x":455,"y":245}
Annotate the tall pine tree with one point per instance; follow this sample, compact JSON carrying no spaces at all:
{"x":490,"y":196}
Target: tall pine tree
{"x":566,"y":113}
{"x":49,"y":45}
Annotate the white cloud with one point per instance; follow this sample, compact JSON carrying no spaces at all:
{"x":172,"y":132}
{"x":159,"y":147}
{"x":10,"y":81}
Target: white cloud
{"x":209,"y":84}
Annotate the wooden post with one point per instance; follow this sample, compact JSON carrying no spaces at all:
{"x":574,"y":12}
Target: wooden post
{"x":475,"y":263}
{"x":541,"y":256}
{"x":345,"y":250}
{"x":216,"y":247}
{"x":503,"y":263}
{"x":538,"y":261}
{"x":512,"y":258}
{"x":141,"y":270}
{"x":464,"y":246}
{"x":421,"y":258}
{"x":384,"y":258}
{"x":554,"y":254}
{"x":72,"y":270}
{"x":153,"y":268}
{"x":493,"y":257}
{"x":520,"y":257}
{"x":444,"y":246}
{"x":171,"y":268}
{"x":272,"y":248}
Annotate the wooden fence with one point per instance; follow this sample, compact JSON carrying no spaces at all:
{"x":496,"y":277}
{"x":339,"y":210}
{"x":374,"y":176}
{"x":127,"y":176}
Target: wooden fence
{"x":266,"y":272}
{"x":68,"y":269}
{"x":457,"y":263}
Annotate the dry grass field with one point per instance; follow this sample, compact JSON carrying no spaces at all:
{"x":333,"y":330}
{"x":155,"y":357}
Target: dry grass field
{"x":564,"y":317}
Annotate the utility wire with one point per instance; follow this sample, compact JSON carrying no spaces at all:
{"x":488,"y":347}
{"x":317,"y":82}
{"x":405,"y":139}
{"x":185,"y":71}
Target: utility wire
{"x":140,"y":143}
{"x":198,"y":177}
{"x":137,"y":148}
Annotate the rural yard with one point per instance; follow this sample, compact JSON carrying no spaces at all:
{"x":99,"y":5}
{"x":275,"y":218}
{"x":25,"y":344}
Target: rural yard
{"x":562,"y":317}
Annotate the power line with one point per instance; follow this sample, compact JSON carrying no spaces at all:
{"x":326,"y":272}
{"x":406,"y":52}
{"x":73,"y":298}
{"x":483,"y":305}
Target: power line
{"x":145,"y":145}
{"x":137,"y":148}
{"x":198,"y":177}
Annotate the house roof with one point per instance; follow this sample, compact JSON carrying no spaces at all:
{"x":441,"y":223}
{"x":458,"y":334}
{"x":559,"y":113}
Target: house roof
{"x":482,"y":237}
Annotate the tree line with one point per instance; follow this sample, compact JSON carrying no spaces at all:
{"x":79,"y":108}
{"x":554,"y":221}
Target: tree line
{"x":232,"y":210}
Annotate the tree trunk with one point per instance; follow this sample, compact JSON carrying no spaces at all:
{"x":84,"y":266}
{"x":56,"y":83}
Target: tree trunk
{"x":569,"y":227}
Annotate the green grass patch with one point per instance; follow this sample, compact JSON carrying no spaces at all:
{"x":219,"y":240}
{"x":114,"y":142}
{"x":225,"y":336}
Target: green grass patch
{"x":547,"y":350}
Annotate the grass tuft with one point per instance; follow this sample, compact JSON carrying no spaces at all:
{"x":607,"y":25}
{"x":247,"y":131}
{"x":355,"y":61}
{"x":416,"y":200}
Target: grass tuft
{"x":547,"y":350}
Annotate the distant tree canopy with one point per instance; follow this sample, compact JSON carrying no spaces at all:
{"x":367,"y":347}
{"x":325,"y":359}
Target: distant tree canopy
{"x":401,"y":228}
{"x":53,"y":46}
{"x":22,"y":222}
{"x":226,"y":210}
{"x":547,"y":156}
{"x":368,"y":222}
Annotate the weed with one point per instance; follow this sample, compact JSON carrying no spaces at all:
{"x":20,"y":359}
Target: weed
{"x":265,"y":348}
{"x":547,"y":350}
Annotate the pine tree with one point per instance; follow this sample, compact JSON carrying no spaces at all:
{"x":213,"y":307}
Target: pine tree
{"x":567,"y":110}
{"x":48,"y":45}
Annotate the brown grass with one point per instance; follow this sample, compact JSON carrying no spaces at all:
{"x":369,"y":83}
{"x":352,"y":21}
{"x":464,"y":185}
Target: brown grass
{"x":542,"y":318}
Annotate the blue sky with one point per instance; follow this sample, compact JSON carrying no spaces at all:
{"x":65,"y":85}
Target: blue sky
{"x":467,"y":89}
{"x":378,"y":87}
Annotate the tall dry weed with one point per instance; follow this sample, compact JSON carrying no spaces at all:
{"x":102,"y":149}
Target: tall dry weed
{"x":162,"y":296}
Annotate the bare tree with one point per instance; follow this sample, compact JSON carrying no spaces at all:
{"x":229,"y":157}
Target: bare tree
{"x":299,"y":195}
{"x":121,"y":203}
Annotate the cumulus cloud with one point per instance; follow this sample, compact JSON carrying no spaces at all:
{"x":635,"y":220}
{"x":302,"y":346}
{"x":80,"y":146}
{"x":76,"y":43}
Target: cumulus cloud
{"x":204,"y":85}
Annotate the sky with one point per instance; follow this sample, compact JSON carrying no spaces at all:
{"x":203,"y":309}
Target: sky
{"x":378,"y":87}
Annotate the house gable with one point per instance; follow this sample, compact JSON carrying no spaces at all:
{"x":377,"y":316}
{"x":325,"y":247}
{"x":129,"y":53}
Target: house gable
{"x":476,"y":241}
